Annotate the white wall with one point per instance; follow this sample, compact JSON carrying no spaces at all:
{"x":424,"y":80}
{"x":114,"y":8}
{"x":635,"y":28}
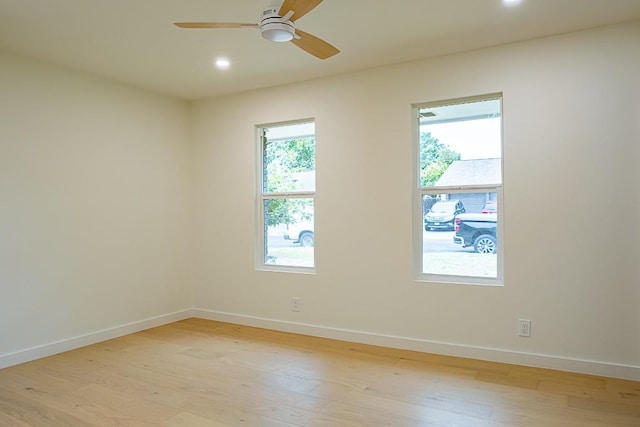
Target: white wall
{"x":95,"y":205}
{"x":100,"y":185}
{"x":570,"y":204}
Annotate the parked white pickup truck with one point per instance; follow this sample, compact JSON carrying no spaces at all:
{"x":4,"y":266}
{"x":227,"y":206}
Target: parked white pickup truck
{"x":300,"y":232}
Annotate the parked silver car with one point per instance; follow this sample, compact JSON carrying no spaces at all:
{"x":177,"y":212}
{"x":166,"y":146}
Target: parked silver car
{"x":442,"y":214}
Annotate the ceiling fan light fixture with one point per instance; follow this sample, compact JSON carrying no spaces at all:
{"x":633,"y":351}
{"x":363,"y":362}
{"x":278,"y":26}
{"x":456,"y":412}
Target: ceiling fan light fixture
{"x":277,"y":32}
{"x":276,"y":28}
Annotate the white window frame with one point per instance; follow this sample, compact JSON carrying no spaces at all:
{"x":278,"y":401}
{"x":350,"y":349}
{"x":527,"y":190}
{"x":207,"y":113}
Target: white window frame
{"x":263,"y":196}
{"x":419,"y":192}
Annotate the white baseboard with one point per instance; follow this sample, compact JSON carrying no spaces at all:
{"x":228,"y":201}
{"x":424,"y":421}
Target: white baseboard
{"x":481,"y":353}
{"x":50,"y":349}
{"x":490,"y":354}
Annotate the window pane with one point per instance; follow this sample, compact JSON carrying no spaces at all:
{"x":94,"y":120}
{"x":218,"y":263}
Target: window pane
{"x":289,"y":238}
{"x":460,"y":234}
{"x":460,"y":144}
{"x":289,"y":158}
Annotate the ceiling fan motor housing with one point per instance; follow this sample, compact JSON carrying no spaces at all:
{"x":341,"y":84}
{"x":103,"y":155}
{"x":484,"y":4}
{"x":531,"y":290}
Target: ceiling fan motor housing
{"x":276,"y":28}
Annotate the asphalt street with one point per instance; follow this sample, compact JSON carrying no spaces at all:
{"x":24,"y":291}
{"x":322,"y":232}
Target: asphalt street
{"x":441,"y":241}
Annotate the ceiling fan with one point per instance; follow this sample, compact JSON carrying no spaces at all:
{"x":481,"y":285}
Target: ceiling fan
{"x":278,"y":25}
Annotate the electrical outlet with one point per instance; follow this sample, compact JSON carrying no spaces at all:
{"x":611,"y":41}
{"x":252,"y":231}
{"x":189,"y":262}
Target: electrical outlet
{"x":524,"y":327}
{"x":295,"y":304}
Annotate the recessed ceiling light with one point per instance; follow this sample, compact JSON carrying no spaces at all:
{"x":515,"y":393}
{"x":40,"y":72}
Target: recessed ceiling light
{"x":511,"y":2}
{"x":222,"y":63}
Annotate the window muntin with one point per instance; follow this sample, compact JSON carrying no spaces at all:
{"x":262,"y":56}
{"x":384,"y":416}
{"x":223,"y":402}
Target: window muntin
{"x":460,"y":178}
{"x":287,"y":197}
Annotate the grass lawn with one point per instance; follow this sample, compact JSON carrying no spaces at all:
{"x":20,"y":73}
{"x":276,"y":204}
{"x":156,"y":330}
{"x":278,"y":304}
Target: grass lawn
{"x":460,"y":264}
{"x":295,"y":256}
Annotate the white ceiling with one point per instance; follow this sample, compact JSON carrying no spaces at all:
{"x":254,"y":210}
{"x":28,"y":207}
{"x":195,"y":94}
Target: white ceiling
{"x":134,"y":41}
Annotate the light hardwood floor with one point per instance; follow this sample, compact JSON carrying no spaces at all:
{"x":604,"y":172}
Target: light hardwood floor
{"x":203,"y":373}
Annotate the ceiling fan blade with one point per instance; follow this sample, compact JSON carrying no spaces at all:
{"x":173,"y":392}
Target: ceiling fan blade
{"x":299,"y":7}
{"x":214,"y":25}
{"x":313,"y":45}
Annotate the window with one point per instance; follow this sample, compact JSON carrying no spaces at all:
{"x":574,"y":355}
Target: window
{"x":459,"y":191}
{"x":287,"y":196}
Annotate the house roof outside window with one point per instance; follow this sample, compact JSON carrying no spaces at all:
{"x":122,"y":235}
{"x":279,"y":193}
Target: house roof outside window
{"x":471,"y":172}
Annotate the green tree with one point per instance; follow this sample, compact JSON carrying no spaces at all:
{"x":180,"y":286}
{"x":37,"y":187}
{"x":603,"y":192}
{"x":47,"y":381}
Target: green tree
{"x":294,"y":155}
{"x":284,"y":162}
{"x":435,"y":158}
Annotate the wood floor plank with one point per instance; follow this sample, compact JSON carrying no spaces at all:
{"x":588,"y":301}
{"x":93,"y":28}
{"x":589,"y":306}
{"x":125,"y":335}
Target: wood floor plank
{"x":9,"y":421}
{"x":510,"y":380}
{"x":204,"y":373}
{"x":35,"y":413}
{"x":186,"y":419}
{"x":616,"y":408}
